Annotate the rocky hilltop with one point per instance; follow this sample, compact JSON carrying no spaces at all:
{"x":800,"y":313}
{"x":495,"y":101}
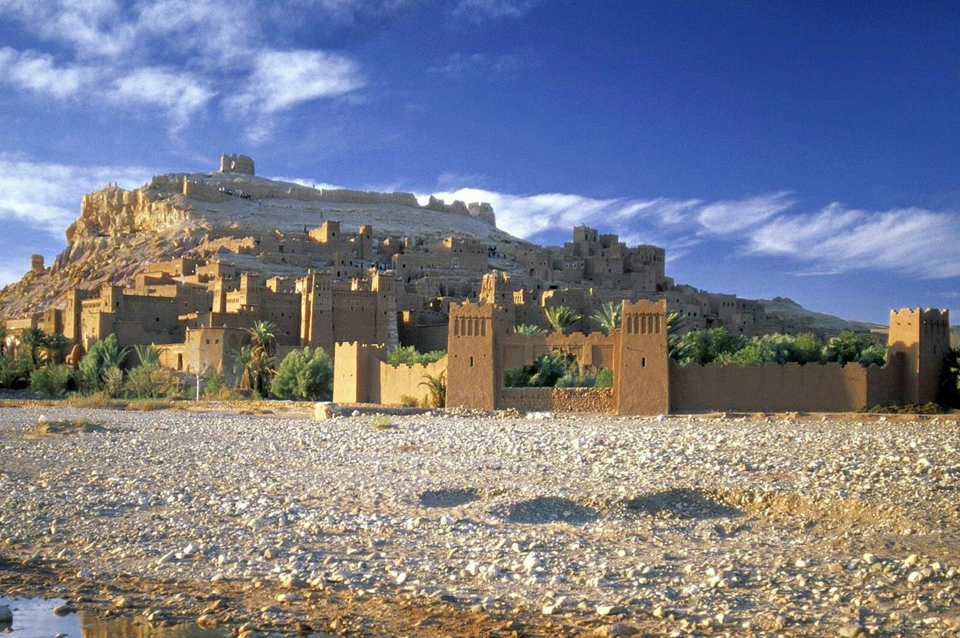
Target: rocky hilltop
{"x":174,"y":215}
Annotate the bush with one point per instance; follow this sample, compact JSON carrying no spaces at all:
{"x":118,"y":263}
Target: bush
{"x":304,"y":375}
{"x":153,"y":382}
{"x":95,"y":400}
{"x":381,"y":422}
{"x":408,"y":401}
{"x":112,"y":381}
{"x":604,"y":378}
{"x":436,"y":388}
{"x":10,"y":376}
{"x":218,"y":389}
{"x":409,"y":355}
{"x":848,"y":347}
{"x":51,"y":380}
{"x":104,"y":355}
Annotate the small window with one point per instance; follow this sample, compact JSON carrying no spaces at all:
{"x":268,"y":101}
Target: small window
{"x":643,"y":362}
{"x":471,"y":362}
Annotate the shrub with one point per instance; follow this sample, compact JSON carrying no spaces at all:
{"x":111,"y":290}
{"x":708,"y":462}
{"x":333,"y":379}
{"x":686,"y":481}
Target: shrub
{"x":518,"y":377}
{"x":51,"y":380}
{"x":408,"y":401}
{"x":409,"y":355}
{"x":102,"y":356}
{"x":604,"y":378}
{"x":528,"y":329}
{"x":153,"y":382}
{"x":148,"y":355}
{"x":304,"y":375}
{"x":113,"y":381}
{"x":10,"y":375}
{"x":381,"y":422}
{"x":218,"y":389}
{"x":848,"y":346}
{"x":436,"y":388}
{"x":96,"y":400}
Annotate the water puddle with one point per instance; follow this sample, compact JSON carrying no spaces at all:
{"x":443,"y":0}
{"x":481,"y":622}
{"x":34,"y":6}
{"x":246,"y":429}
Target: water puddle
{"x":34,"y":618}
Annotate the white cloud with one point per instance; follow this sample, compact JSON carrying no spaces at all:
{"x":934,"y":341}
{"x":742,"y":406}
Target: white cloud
{"x":47,"y":195}
{"x":480,"y":10}
{"x":283,"y":79}
{"x":179,"y":93}
{"x":39,"y":72}
{"x":727,"y":217}
{"x":911,"y":241}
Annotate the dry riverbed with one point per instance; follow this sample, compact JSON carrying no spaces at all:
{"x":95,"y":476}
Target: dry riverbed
{"x":481,"y":526}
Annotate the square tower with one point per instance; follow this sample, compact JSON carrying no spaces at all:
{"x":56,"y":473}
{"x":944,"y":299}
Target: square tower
{"x":923,"y":337}
{"x":643,"y":372}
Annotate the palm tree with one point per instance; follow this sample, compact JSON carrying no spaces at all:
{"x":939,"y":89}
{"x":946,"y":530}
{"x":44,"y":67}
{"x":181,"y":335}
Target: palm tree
{"x":262,"y":364}
{"x":3,"y":340}
{"x":32,"y":339}
{"x":609,"y":316}
{"x":242,"y":360}
{"x":437,"y":387}
{"x":53,"y":346}
{"x":528,"y":330}
{"x":562,"y":317}
{"x":677,"y":348}
{"x":148,"y":355}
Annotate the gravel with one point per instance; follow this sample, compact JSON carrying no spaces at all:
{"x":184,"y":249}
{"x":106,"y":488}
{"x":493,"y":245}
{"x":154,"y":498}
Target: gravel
{"x":677,"y":525}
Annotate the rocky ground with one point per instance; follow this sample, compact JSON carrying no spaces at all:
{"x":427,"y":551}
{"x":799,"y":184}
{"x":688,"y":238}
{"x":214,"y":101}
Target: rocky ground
{"x":480,"y":526}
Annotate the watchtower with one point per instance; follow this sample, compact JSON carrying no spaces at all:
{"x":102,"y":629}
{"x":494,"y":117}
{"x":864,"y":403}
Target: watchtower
{"x":643,"y":373}
{"x":473,"y":372}
{"x":923,"y":337}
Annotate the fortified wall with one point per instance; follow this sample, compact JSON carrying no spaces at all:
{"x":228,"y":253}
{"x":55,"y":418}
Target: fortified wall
{"x":361,"y":374}
{"x":647,"y":382}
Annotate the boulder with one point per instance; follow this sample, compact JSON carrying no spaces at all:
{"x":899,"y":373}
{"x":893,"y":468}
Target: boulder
{"x":324,"y":410}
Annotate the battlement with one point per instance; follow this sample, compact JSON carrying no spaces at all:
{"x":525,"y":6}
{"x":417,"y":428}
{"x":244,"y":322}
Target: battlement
{"x":242,"y":164}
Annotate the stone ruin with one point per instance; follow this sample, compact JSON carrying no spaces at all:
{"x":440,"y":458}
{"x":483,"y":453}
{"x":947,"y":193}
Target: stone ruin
{"x":242,"y":164}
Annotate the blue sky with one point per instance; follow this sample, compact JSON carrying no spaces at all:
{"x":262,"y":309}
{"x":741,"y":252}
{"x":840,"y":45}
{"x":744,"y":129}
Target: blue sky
{"x":802,"y":149}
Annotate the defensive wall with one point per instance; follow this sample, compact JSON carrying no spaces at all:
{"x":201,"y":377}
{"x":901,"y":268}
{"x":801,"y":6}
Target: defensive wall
{"x":646,"y":381}
{"x":361,"y":374}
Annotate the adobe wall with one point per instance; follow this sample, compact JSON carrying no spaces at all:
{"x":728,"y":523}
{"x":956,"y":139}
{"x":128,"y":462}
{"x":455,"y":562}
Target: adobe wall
{"x":593,"y":349}
{"x":770,"y":388}
{"x":558,"y":400}
{"x":362,"y":375}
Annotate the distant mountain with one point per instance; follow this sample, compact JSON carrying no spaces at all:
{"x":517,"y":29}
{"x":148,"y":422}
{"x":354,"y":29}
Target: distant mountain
{"x":790,"y":310}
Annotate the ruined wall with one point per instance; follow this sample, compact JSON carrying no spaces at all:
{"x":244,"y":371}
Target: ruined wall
{"x":593,"y":349}
{"x":202,"y":192}
{"x":770,"y":388}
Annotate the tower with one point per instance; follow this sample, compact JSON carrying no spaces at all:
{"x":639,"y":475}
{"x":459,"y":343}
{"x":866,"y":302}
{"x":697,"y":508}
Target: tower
{"x":474,"y":375}
{"x":643,"y":375}
{"x":923,"y":338}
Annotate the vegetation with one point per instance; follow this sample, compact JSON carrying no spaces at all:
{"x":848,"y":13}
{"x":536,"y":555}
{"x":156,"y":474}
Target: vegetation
{"x":910,"y":408}
{"x":949,"y":391}
{"x":33,"y":340}
{"x":217,"y":388}
{"x":609,"y":316}
{"x":103,"y":356}
{"x":53,"y":346}
{"x":148,"y":355}
{"x":151,"y":381}
{"x":720,"y":346}
{"x":409,"y":355}
{"x":255,"y":362}
{"x":51,"y":380}
{"x":528,"y":330}
{"x":381,"y":422}
{"x":436,"y":388}
{"x":560,"y":370}
{"x":562,"y":317}
{"x":10,"y":376}
{"x":304,"y":375}
{"x":676,"y":347}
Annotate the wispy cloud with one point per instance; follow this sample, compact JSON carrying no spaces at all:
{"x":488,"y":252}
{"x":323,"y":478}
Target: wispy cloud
{"x":836,"y":239}
{"x":180,"y":94}
{"x":40,"y":73}
{"x":459,"y":66}
{"x":480,"y":10}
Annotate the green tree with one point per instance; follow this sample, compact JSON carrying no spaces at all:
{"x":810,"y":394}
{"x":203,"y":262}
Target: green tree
{"x":148,"y":355}
{"x":304,"y":375}
{"x":32,"y":339}
{"x":847,"y":347}
{"x":561,"y":317}
{"x":3,"y":340}
{"x":528,"y":330}
{"x":104,"y":355}
{"x":949,"y":392}
{"x":53,"y":346}
{"x":705,"y":346}
{"x":609,"y":316}
{"x":409,"y":355}
{"x":242,"y":362}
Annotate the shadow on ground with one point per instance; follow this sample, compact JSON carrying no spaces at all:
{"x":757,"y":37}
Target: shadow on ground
{"x":550,"y":509}
{"x":447,"y":498}
{"x":682,"y":503}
